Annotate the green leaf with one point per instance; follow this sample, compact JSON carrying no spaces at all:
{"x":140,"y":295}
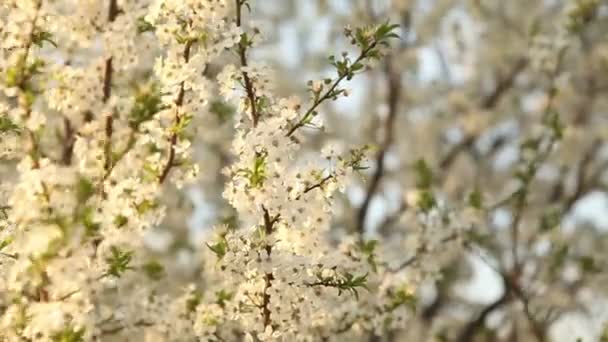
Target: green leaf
{"x":222,"y":296}
{"x":40,"y":37}
{"x":368,"y":249}
{"x":13,"y":76}
{"x":84,"y":190}
{"x":220,"y":248}
{"x":69,"y":334}
{"x":120,"y":221}
{"x":145,"y":206}
{"x":5,"y":242}
{"x":118,"y":261}
{"x":581,"y":15}
{"x":424,"y":174}
{"x":553,"y":121}
{"x":550,"y":220}
{"x":402,"y":297}
{"x":476,"y":199}
{"x":90,"y":225}
{"x":588,"y":264}
{"x":346,"y":282}
{"x":426,"y":202}
{"x":193,"y":302}
{"x":6,"y":125}
{"x":144,"y":26}
{"x":154,"y":270}
{"x":222,"y":110}
{"x":147,"y":103}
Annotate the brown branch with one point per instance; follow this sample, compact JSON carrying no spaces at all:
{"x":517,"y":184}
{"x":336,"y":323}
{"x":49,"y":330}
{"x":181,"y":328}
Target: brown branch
{"x":394,"y":92}
{"x":269,"y":223}
{"x":174,"y":137}
{"x":242,"y":51}
{"x":107,"y":92}
{"x":582,"y":184}
{"x":470,"y":330}
{"x":68,"y":142}
{"x":504,"y":84}
{"x":538,"y":328}
{"x":316,"y":185}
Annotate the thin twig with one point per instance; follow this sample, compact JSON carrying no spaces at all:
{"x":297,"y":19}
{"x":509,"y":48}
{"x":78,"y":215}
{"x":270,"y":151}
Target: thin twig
{"x":328,"y":94}
{"x":177,"y":119}
{"x":242,"y":51}
{"x":394,"y":93}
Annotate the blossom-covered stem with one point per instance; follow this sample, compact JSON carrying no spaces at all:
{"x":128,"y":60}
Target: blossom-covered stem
{"x":394,"y":92}
{"x":242,"y":50}
{"x":34,"y":151}
{"x":329,"y":93}
{"x":177,"y":119}
{"x":107,"y":92}
{"x":29,"y":43}
{"x":268,"y":276}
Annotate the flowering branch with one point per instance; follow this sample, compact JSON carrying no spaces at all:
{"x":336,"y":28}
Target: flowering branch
{"x":177,"y":120}
{"x":242,"y":51}
{"x":107,"y":92}
{"x":369,"y":42}
{"x":269,"y":223}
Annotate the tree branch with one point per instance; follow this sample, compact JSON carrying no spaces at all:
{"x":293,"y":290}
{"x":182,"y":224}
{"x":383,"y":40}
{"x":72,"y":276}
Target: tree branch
{"x":177,"y":119}
{"x":242,"y":51}
{"x":394,"y":93}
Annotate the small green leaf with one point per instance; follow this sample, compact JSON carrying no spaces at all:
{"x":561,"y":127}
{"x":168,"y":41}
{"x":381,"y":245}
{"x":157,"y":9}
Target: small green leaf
{"x":86,"y":216}
{"x":144,"y":26}
{"x":145,"y":206}
{"x":84,"y":190}
{"x":426,"y":202}
{"x":424,"y":174}
{"x":220,"y":248}
{"x":222,"y":297}
{"x":588,"y":264}
{"x":368,"y":249}
{"x":222,"y":110}
{"x":69,"y":334}
{"x":5,"y":242}
{"x":550,"y":220}
{"x":154,"y":270}
{"x":193,"y":302}
{"x":553,"y":121}
{"x":118,"y":261}
{"x":476,"y":199}
{"x":6,"y":125}
{"x":402,"y":297}
{"x":40,"y":37}
{"x":120,"y":221}
{"x":147,"y":103}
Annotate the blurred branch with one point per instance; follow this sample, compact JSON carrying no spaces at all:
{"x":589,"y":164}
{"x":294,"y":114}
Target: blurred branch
{"x":584,"y":183}
{"x":394,"y":92}
{"x":487,"y":103}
